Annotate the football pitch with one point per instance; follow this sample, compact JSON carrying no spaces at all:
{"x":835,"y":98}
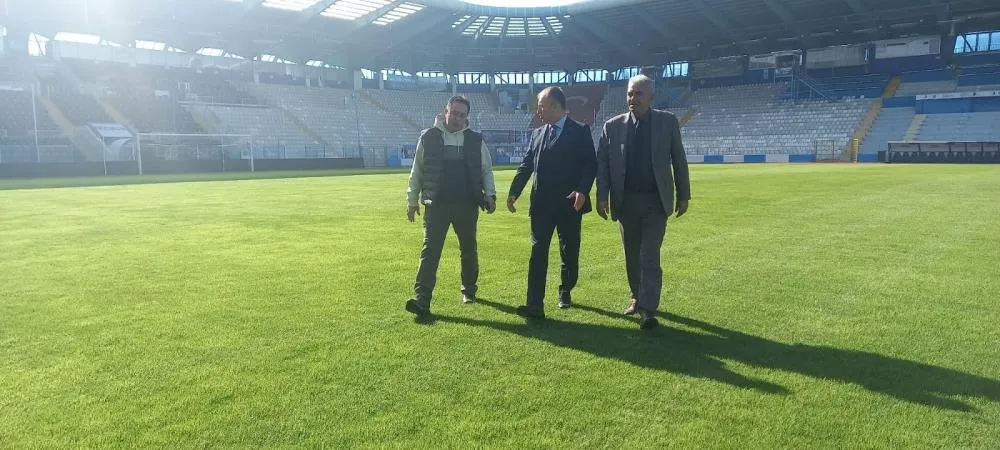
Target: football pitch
{"x":804,"y":306}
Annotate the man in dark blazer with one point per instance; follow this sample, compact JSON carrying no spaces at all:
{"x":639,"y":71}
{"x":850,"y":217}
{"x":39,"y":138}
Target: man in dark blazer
{"x":634,"y":157}
{"x":562,"y":158}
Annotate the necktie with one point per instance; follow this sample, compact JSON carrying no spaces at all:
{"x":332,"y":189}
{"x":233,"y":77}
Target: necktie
{"x":553,"y":129}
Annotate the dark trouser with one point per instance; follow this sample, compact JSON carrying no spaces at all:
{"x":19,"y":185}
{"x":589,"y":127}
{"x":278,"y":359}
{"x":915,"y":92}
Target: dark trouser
{"x":437,"y":219}
{"x":566,"y":222}
{"x":643,"y":224}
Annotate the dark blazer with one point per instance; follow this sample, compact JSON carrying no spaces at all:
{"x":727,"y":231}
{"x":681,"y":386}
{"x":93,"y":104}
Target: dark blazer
{"x":568,"y":165}
{"x":667,"y":151}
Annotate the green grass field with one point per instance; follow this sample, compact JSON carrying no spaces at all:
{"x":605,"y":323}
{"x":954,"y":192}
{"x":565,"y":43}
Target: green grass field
{"x":805,"y":306}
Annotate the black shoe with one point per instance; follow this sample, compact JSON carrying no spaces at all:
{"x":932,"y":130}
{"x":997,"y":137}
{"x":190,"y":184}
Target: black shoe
{"x":565,"y":301}
{"x":468,"y":299}
{"x":530,"y":312}
{"x":647,"y":319}
{"x":417,"y":307}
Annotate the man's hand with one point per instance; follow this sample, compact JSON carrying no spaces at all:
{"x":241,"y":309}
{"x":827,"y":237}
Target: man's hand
{"x":491,"y":204}
{"x":412,"y":212}
{"x":510,"y":203}
{"x":578,"y":200}
{"x":602,"y":209}
{"x":682,"y":207}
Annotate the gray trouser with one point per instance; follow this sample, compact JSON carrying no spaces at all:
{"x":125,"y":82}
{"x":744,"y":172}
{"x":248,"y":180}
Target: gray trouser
{"x":437,"y":219}
{"x":643,"y":223}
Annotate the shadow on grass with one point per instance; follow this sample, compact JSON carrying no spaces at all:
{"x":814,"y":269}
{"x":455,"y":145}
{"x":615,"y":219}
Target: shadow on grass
{"x":640,"y":348}
{"x":701,"y":353}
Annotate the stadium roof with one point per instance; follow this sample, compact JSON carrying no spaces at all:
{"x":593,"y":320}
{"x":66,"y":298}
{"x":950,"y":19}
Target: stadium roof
{"x":469,"y":36}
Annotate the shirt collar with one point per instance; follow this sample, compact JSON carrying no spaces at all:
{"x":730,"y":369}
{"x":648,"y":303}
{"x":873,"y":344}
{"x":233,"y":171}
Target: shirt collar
{"x":561,"y":123}
{"x":635,"y":119}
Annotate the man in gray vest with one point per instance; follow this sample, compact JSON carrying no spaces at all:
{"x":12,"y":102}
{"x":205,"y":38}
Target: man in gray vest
{"x":452,"y":176}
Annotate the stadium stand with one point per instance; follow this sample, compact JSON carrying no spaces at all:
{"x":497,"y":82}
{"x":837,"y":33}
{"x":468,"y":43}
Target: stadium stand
{"x":923,"y":76}
{"x":419,"y":109}
{"x":382,"y":131}
{"x":495,"y":121}
{"x":926,"y":82}
{"x":273,"y":132}
{"x":749,"y":120}
{"x":330,"y":113}
{"x":17,"y":131}
{"x":16,"y":117}
{"x":925,"y":87}
{"x":422,"y":107}
{"x":152,"y":113}
{"x":978,"y":126}
{"x":613,"y":103}
{"x":854,"y":86}
{"x":185,"y":83}
{"x":971,"y":79}
{"x":775,"y":101}
{"x":213,"y":89}
{"x":891,"y":125}
{"x":79,"y":108}
{"x":52,"y":148}
{"x":979,"y":78}
{"x":940,"y":124}
{"x":483,"y":102}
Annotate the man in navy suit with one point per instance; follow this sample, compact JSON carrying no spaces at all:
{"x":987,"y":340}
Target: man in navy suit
{"x":562,"y":158}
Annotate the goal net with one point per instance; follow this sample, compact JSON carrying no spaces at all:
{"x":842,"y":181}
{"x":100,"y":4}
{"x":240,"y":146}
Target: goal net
{"x":169,"y":153}
{"x":826,"y":150}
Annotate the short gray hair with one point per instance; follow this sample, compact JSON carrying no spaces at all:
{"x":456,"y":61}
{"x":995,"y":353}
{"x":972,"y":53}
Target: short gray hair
{"x":642,"y":80}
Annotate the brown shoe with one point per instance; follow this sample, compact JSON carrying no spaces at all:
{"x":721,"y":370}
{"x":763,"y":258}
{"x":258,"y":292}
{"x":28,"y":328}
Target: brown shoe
{"x":632,"y":308}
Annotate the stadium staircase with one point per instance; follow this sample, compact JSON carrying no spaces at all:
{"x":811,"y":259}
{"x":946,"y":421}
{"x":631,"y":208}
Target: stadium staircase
{"x":204,"y":117}
{"x":688,"y":115}
{"x":89,"y":151}
{"x":494,"y":102}
{"x":854,"y":145}
{"x":803,"y":83}
{"x":115,"y":114}
{"x":406,"y":120}
{"x":892,"y":87}
{"x":65,"y":72}
{"x":270,"y":100}
{"x":303,"y":127}
{"x":685,"y":100}
{"x":686,"y":96}
{"x":863,"y":129}
{"x":914,"y":131}
{"x":60,"y":119}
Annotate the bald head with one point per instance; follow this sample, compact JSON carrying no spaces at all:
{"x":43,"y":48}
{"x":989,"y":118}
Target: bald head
{"x":551,"y":104}
{"x":640,"y":95}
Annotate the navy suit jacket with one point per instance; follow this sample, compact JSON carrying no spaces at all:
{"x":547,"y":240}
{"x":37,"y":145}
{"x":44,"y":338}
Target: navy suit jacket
{"x":568,"y":165}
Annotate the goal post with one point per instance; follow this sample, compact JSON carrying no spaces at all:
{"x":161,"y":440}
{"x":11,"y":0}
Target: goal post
{"x":825,"y":150}
{"x":194,"y":152}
